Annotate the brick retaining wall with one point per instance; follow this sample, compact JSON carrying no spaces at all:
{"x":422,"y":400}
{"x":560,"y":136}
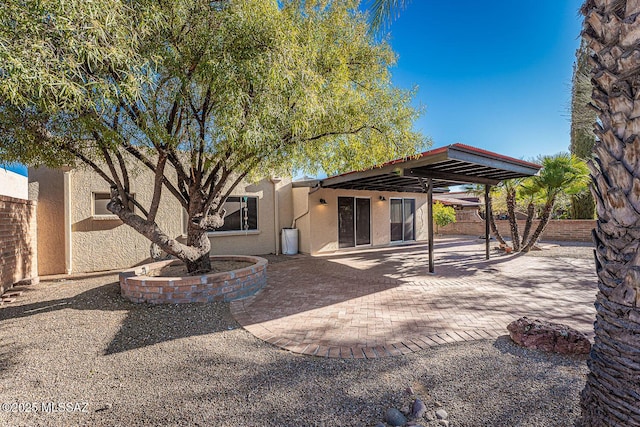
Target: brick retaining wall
{"x":18,"y":243}
{"x":576,"y":230}
{"x":227,"y":286}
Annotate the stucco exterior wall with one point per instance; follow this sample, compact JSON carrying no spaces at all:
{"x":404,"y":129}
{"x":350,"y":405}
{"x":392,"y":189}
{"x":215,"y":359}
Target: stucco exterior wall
{"x":302,"y":217}
{"x":264,"y":240}
{"x":49,"y":193}
{"x":105,"y":242}
{"x":101,"y":242}
{"x":323,"y":219}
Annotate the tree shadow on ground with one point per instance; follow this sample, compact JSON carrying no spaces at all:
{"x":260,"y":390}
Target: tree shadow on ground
{"x":462,"y":257}
{"x":269,"y":388}
{"x":144,"y":324}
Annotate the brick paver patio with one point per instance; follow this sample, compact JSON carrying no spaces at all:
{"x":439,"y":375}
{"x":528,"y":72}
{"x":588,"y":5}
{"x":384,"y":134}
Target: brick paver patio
{"x":383,"y":302}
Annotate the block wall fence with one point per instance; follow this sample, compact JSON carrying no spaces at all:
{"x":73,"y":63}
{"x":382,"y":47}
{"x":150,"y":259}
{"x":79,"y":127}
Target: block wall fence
{"x":574,"y":230}
{"x":18,"y":242}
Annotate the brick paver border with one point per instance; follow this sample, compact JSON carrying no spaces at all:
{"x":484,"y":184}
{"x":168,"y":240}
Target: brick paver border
{"x":360,"y":352}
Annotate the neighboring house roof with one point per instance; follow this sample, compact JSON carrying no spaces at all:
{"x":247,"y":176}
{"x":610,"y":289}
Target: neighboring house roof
{"x":452,"y":201}
{"x":445,"y":166}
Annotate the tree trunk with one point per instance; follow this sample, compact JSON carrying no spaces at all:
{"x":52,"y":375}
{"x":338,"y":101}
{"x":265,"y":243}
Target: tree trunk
{"x":195,"y":254}
{"x":200,"y":261}
{"x":611,"y":396}
{"x":494,"y":230}
{"x":513,"y":223}
{"x":531,"y":211}
{"x":197,"y":238}
{"x":544,"y":220}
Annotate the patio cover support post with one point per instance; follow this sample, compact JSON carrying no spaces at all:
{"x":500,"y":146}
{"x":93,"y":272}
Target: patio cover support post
{"x":487,"y":212}
{"x":430,"y":203}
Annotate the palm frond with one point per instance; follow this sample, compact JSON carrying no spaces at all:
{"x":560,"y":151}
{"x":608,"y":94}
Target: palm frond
{"x":383,"y":12}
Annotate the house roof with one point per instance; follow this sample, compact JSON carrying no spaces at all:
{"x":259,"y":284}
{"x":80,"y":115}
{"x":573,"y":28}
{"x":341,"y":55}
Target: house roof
{"x":445,"y":200}
{"x":448,"y":166}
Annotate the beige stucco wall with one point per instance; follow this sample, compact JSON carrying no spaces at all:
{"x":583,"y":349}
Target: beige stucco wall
{"x":302,"y":218}
{"x":319,"y":228}
{"x":105,"y":243}
{"x":50,"y":219}
{"x":265,"y":239}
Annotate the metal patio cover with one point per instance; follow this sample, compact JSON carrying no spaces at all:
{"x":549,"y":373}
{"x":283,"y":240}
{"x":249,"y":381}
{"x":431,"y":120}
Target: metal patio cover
{"x":447,"y":166}
{"x":436,"y":170}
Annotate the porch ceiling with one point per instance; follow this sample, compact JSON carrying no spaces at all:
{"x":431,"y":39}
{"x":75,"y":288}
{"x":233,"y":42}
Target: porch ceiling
{"x":447,"y":166}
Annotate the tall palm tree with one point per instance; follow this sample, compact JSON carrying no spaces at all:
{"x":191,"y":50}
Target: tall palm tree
{"x":611,"y":396}
{"x":511,"y":187}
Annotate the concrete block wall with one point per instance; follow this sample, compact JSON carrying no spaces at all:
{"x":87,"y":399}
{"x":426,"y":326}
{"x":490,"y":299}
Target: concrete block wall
{"x":18,"y":242}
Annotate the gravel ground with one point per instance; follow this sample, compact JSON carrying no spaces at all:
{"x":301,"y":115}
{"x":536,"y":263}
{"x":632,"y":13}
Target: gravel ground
{"x":78,"y":341}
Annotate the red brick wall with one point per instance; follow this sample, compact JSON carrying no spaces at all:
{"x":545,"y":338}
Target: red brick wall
{"x":18,"y":244}
{"x":576,"y":230}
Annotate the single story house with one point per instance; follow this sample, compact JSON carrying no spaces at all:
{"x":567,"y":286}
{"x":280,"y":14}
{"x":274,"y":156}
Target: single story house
{"x":385,"y":205}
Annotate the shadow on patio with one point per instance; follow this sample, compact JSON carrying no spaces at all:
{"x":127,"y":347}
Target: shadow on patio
{"x":348,"y":303}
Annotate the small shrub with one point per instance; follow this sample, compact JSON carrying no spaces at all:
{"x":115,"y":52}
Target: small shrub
{"x":443,"y":215}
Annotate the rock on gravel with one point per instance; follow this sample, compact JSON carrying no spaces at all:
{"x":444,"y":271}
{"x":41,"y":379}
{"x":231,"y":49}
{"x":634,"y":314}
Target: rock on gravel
{"x":441,"y":414}
{"x":394,"y":417}
{"x":418,"y":409}
{"x":548,"y":336}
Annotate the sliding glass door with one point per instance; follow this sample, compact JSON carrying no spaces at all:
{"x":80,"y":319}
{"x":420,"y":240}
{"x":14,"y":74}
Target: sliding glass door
{"x":403,"y":212}
{"x":354,"y":222}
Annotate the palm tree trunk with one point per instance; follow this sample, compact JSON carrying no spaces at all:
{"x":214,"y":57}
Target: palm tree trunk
{"x":544,"y":220}
{"x":527,"y":226}
{"x":513,"y":222}
{"x":611,"y":396}
{"x":494,"y":230}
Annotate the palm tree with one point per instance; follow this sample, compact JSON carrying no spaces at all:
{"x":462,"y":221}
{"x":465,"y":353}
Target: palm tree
{"x":528,"y":193}
{"x":611,"y":396}
{"x":385,"y":11}
{"x":478,"y":190}
{"x":560,"y":173}
{"x":511,"y":188}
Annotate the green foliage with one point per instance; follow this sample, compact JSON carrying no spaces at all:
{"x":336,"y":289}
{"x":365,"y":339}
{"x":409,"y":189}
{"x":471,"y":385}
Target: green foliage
{"x":443,"y":215}
{"x":292,"y":84}
{"x":582,"y":137}
{"x":582,"y":116}
{"x":582,"y":206}
{"x":384,"y":11}
{"x":202,"y":93}
{"x":561,"y":173}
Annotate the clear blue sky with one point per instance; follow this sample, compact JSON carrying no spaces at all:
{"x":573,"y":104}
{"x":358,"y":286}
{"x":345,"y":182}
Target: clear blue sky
{"x":492,"y":74}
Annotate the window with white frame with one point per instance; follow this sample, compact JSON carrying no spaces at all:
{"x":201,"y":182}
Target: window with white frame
{"x":241,"y":215}
{"x":100,"y":201}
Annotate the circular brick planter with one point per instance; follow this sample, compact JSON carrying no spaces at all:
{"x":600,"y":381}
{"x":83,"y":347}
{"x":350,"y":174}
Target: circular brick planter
{"x":136,"y":286}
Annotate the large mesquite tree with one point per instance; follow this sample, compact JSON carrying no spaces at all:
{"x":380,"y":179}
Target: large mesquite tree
{"x":200,"y":93}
